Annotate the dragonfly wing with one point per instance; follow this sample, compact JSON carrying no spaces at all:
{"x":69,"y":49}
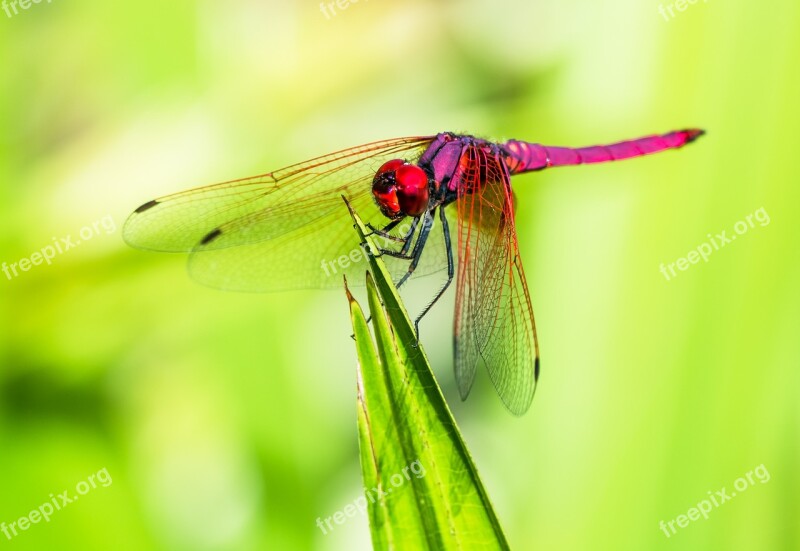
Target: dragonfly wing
{"x":262,"y":207}
{"x":312,"y":256}
{"x":285,"y":230}
{"x":494,"y":322}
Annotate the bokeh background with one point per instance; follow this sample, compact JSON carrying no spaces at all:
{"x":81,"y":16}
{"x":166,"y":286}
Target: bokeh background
{"x":227,"y":421}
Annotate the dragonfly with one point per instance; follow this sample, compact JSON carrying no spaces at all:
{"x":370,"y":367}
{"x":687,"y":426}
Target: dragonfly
{"x":288,"y":229}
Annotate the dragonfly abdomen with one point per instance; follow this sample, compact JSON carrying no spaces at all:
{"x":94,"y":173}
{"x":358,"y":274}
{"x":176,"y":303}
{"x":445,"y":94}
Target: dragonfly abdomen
{"x":527,"y":157}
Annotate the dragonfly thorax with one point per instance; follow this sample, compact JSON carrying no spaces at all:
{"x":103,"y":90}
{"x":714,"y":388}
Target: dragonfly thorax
{"x":400,"y":189}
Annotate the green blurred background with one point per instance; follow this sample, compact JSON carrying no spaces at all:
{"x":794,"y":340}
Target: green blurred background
{"x":227,"y":421}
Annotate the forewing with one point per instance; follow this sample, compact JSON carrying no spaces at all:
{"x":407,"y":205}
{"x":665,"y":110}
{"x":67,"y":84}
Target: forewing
{"x":288,"y":229}
{"x":262,"y":207}
{"x":494,"y":322}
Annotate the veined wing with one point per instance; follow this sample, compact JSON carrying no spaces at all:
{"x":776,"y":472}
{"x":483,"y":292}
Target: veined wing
{"x":313,"y":256}
{"x":261,"y":207}
{"x":494,"y":322}
{"x":287,"y":229}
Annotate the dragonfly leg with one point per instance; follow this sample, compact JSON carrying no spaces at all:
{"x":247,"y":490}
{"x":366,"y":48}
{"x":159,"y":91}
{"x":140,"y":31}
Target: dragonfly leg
{"x":410,"y":234}
{"x":450,"y":272}
{"x":407,"y":240}
{"x":416,"y":254}
{"x":384,"y":231}
{"x":396,"y":254}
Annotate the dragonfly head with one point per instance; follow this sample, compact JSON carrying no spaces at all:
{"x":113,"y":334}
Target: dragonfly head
{"x":400,"y":189}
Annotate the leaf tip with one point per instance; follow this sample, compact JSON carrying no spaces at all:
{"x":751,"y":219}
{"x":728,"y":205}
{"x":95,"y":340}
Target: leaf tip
{"x":349,"y":206}
{"x":350,"y":298}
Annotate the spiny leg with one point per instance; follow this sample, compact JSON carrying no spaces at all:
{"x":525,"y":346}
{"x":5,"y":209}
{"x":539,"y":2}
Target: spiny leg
{"x":384,"y":231}
{"x":416,"y":254}
{"x":408,"y":239}
{"x":407,"y":244}
{"x":450,"y":271}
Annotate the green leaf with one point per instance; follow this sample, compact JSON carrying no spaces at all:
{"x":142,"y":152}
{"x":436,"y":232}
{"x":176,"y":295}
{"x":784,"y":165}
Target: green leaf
{"x":422,"y":488}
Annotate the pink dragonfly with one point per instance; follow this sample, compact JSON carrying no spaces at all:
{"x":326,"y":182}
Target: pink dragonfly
{"x":288,"y":229}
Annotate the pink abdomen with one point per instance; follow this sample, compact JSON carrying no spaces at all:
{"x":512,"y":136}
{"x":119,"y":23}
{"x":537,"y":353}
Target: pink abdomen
{"x":526,"y":157}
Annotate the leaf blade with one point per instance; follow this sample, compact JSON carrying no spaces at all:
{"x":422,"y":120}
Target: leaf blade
{"x":404,"y":421}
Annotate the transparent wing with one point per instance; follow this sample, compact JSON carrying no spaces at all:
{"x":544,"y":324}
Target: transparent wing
{"x":262,"y":207}
{"x":494,"y":322}
{"x":313,"y":256}
{"x":288,"y":229}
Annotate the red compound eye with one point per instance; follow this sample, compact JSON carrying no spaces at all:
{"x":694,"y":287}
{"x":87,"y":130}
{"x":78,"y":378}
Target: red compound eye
{"x":389,"y":166}
{"x":412,"y":190}
{"x":384,"y":189}
{"x":400,"y":189}
{"x":387,"y":201}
